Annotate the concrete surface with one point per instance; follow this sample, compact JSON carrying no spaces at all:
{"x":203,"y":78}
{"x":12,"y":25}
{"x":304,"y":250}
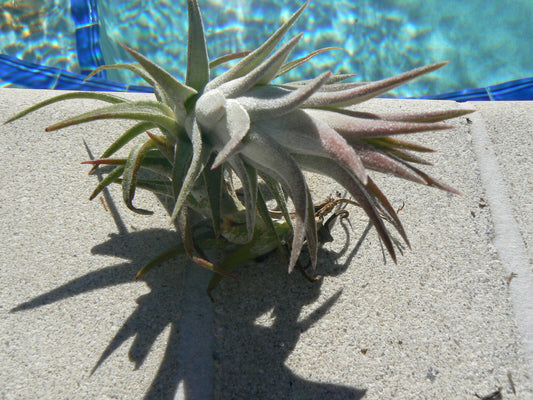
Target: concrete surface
{"x":446,"y":322}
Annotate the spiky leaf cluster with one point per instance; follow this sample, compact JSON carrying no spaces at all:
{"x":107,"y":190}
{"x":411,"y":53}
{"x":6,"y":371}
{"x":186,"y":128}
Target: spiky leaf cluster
{"x":241,"y":123}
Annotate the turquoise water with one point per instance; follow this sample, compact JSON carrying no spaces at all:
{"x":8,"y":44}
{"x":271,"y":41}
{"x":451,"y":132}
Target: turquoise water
{"x":39,"y":31}
{"x":485,"y":44}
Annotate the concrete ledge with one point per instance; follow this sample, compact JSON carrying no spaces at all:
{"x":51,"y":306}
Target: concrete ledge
{"x":446,"y":322}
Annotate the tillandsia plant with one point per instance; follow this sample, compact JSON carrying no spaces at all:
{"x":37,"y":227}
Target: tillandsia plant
{"x":240,"y":124}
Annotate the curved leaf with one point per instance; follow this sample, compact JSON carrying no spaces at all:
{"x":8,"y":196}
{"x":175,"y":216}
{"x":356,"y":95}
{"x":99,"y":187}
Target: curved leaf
{"x":360,"y":193}
{"x":133,"y":163}
{"x":295,"y":63}
{"x":113,"y":176}
{"x":68,"y":96}
{"x":262,"y":74}
{"x":227,"y":58}
{"x":257,"y":56}
{"x":174,"y":90}
{"x":126,"y":137}
{"x":368,"y":91}
{"x":200,"y":155}
{"x":248,"y":178}
{"x":148,"y":111}
{"x":267,"y":155}
{"x":269,"y":102}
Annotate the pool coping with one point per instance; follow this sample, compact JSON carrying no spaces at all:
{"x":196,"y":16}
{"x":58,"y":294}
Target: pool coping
{"x":489,"y":147}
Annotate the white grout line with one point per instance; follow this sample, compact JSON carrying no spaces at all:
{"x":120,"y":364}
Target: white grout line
{"x":508,"y":240}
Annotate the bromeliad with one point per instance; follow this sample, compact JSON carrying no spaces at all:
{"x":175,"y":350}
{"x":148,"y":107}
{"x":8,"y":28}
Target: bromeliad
{"x":241,"y":124}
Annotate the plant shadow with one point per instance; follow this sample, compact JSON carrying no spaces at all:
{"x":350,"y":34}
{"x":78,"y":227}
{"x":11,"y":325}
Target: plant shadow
{"x":258,"y":364}
{"x":254,"y":356}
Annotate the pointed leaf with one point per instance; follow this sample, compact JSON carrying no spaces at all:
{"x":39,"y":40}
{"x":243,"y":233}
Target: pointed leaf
{"x":182,"y":160}
{"x":277,"y":191}
{"x":267,"y":219}
{"x":126,"y":137}
{"x":387,"y":209}
{"x":197,"y":58}
{"x":356,"y":189}
{"x":267,"y":102}
{"x":257,"y":56}
{"x":428,"y":116}
{"x":109,"y":178}
{"x":168,"y":254}
{"x":131,"y":168}
{"x":368,"y":91}
{"x":267,"y":155}
{"x":293,"y":64}
{"x":148,"y":111}
{"x":310,"y":230}
{"x":390,"y":142}
{"x":164,"y":144}
{"x":157,"y":187}
{"x":236,"y":124}
{"x":213,"y":182}
{"x":136,"y":68}
{"x":174,"y":90}
{"x":378,"y":161}
{"x":248,"y":178}
{"x":68,"y":96}
{"x":200,"y":154}
{"x":366,"y":125}
{"x":299,"y":133}
{"x":262,"y":74}
{"x":228,"y":57}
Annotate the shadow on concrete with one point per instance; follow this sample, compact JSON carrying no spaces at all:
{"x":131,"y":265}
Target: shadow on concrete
{"x":249,"y":359}
{"x":260,"y":352}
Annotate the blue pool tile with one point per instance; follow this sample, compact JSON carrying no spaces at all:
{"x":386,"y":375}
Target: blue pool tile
{"x":521,"y":89}
{"x":26,"y":74}
{"x":85,"y":16}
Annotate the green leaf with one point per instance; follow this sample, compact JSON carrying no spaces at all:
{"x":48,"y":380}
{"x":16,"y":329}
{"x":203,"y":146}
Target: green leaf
{"x":153,"y":161}
{"x":257,"y":56}
{"x":68,"y":96}
{"x":213,"y":182}
{"x":182,"y":160}
{"x":267,"y":219}
{"x":113,"y":176}
{"x":248,"y":178}
{"x":293,"y":64}
{"x":164,"y":144}
{"x":310,"y":230}
{"x":126,"y":137}
{"x":148,"y":111}
{"x":138,"y":70}
{"x":174,"y":90}
{"x":200,"y":154}
{"x":179,"y":250}
{"x":155,"y":186}
{"x":277,"y":191}
{"x":232,"y":261}
{"x":228,"y":57}
{"x":131,"y":168}
{"x":197,"y":58}
{"x":361,"y":93}
{"x":168,"y":254}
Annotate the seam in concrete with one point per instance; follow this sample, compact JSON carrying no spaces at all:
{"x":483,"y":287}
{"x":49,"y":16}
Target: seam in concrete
{"x":508,"y":240}
{"x":196,"y":341}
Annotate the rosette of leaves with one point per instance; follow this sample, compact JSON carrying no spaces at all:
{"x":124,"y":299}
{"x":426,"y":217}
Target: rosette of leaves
{"x":240,"y":123}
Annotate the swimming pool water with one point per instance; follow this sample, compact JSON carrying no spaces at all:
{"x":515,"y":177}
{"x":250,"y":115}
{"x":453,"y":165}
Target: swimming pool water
{"x":486,"y":45}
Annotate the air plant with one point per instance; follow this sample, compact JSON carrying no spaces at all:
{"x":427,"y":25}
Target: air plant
{"x":240,"y":124}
